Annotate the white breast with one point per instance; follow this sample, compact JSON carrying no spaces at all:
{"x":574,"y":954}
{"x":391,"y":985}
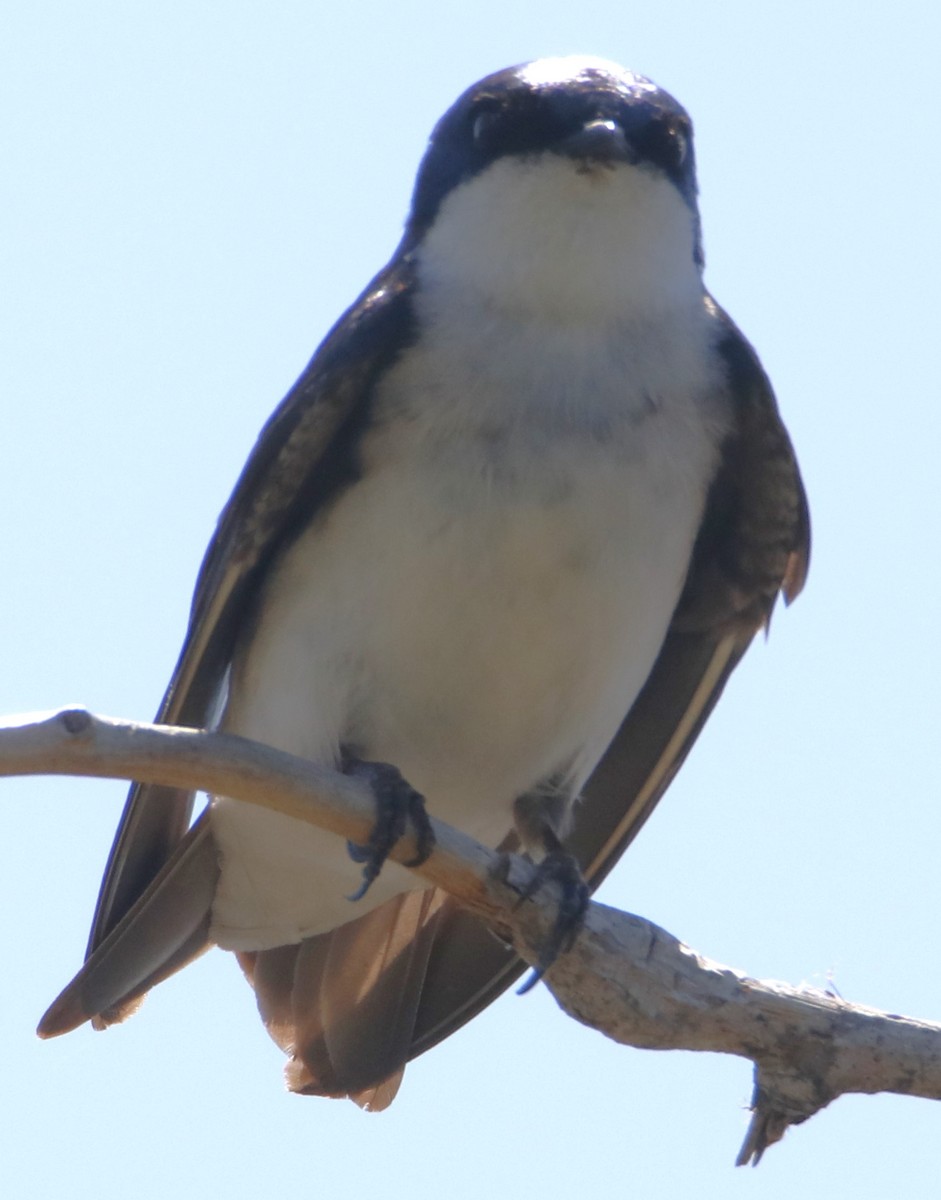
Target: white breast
{"x":483,"y":606}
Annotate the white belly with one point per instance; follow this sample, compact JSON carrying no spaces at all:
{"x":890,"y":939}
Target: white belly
{"x":481,"y":610}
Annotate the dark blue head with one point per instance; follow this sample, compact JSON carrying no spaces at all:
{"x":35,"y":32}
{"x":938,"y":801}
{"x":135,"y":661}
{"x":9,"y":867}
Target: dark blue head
{"x":593,"y":112}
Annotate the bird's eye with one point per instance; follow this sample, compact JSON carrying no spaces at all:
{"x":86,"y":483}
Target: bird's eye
{"x":679,"y":138}
{"x":667,"y":144}
{"x":681,"y":142}
{"x":483,"y":125}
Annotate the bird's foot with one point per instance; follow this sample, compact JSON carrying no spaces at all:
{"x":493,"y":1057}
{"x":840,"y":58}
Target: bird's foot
{"x":397,"y":804}
{"x":560,"y":868}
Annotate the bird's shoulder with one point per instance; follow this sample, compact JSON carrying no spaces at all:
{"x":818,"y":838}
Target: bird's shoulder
{"x":305,"y":452}
{"x":754,"y":541}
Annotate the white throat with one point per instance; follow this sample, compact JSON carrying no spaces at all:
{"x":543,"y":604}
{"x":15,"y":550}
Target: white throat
{"x":547,"y":236}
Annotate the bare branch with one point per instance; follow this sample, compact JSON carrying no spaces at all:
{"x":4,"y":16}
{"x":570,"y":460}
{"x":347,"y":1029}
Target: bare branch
{"x":625,"y":976}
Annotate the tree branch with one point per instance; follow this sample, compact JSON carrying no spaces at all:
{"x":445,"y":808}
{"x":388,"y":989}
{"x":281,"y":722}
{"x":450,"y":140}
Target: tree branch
{"x":625,"y":976}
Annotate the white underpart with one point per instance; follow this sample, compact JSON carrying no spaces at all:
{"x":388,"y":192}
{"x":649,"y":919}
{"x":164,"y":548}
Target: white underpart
{"x":482,"y":608}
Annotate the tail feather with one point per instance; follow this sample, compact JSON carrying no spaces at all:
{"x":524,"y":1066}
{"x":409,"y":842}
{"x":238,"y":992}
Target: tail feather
{"x":343,"y":1004}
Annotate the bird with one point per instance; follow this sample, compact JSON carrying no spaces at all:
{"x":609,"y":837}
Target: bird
{"x":497,"y":552}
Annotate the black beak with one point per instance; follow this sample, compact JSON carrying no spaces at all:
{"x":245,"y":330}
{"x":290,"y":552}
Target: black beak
{"x":601,"y":140}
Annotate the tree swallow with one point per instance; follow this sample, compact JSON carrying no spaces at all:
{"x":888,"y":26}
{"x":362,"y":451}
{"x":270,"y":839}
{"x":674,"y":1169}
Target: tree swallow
{"x":510,"y":532}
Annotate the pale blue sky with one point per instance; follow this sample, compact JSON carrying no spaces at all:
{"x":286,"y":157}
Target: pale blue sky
{"x":191,"y":193}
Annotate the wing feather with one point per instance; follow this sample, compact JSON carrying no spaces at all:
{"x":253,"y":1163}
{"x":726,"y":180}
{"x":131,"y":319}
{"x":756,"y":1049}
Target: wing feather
{"x":303,"y":456}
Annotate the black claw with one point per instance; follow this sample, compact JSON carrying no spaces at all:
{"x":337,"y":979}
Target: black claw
{"x":529,"y":983}
{"x":356,"y":852}
{"x":397,"y":803}
{"x":557,"y":867}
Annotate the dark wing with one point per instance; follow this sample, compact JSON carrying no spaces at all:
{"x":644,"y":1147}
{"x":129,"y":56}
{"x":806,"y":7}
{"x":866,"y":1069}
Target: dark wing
{"x":440,"y":966}
{"x":303,"y":456}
